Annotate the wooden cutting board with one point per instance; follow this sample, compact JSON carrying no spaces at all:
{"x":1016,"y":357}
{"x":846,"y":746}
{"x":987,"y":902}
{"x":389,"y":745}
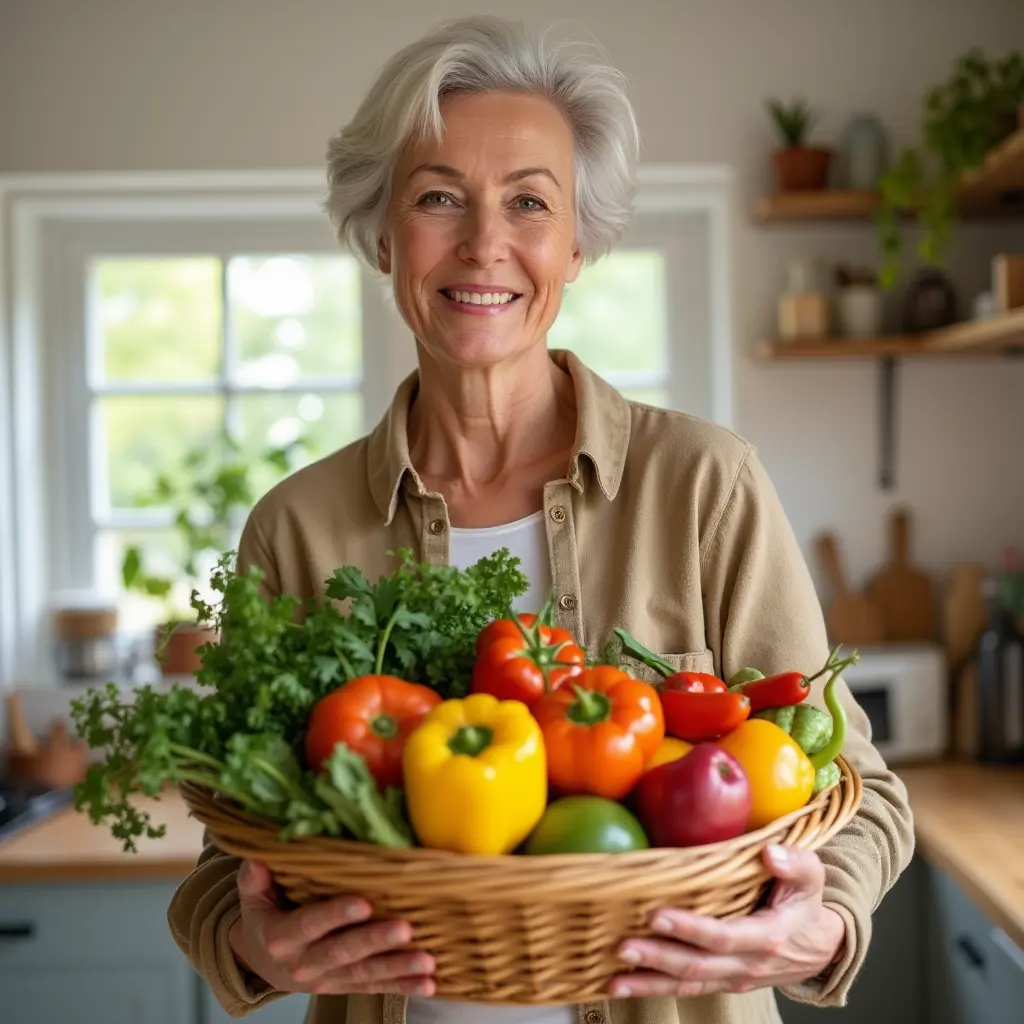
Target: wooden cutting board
{"x":903,"y":594}
{"x":851,"y":618}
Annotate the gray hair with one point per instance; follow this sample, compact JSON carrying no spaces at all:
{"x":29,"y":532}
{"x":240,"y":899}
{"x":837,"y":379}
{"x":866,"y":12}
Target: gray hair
{"x":474,"y":55}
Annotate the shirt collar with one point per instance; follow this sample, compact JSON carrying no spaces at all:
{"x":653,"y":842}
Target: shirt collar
{"x":602,"y":437}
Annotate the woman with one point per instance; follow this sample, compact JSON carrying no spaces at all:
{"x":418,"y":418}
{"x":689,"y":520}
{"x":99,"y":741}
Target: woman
{"x":479,"y":174}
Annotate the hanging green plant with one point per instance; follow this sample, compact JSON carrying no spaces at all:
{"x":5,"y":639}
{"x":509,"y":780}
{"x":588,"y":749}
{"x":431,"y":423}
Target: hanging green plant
{"x":965,"y":117}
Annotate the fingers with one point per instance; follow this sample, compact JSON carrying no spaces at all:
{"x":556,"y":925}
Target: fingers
{"x":256,"y":887}
{"x":683,"y":963}
{"x":650,"y":984}
{"x":358,"y":950}
{"x":760,"y":933}
{"x":801,"y":869}
{"x":294,"y":931}
{"x":376,"y":974}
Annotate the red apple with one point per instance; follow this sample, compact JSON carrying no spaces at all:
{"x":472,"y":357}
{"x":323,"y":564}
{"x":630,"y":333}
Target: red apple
{"x":703,"y":797}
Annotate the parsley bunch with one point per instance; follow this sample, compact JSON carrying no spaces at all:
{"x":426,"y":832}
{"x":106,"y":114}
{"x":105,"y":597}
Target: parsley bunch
{"x":240,"y":733}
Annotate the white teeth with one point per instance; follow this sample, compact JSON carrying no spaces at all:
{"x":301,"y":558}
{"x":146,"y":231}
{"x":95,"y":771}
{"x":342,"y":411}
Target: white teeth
{"x":481,"y":299}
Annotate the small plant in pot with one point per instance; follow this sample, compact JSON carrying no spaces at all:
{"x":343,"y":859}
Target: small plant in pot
{"x":208,"y":494}
{"x":798,"y":166}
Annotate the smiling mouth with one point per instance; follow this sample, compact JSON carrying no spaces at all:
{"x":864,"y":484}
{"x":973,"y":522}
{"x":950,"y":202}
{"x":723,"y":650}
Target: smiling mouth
{"x":480,"y":298}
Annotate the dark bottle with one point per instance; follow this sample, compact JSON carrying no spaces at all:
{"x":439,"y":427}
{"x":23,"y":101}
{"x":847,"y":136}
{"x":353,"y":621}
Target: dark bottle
{"x":1000,"y":656}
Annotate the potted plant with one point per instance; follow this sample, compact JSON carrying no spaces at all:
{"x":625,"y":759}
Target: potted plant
{"x":798,"y":166}
{"x":207,"y":493}
{"x":964,"y":118}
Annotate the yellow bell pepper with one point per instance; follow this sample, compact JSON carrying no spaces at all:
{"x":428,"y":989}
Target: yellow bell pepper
{"x":781,"y":775}
{"x":475,"y":774}
{"x":670,"y":749}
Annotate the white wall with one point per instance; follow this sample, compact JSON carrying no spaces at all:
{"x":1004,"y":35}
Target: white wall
{"x":123,"y":85}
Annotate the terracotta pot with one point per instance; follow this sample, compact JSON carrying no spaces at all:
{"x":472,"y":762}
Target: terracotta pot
{"x":802,"y":169}
{"x":177,"y":654}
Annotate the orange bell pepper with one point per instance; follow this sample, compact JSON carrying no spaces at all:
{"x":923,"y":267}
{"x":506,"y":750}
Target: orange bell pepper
{"x":781,"y":775}
{"x":600,"y":729}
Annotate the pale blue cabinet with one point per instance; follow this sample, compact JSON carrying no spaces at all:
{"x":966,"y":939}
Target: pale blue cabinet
{"x":97,"y":954}
{"x":975,"y":971}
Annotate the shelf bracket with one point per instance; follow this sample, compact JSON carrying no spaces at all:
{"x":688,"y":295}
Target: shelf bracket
{"x":887,"y":380}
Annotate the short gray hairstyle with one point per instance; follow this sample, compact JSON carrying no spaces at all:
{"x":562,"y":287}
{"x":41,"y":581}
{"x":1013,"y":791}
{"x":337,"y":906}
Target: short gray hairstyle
{"x":475,"y":55}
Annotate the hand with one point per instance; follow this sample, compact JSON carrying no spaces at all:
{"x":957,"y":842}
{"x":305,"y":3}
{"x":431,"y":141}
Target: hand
{"x":792,"y":939}
{"x":323,"y":948}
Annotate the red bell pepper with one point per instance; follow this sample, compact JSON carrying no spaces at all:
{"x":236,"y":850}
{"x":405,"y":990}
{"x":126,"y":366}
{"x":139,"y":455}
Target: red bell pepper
{"x":694,"y":716}
{"x":523,"y":657}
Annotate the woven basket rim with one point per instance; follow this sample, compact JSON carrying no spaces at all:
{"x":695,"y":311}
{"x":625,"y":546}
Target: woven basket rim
{"x":200,"y":800}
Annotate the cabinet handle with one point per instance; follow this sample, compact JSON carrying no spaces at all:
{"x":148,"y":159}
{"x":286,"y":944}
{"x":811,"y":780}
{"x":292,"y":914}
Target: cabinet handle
{"x":17,"y":930}
{"x":971,"y":953}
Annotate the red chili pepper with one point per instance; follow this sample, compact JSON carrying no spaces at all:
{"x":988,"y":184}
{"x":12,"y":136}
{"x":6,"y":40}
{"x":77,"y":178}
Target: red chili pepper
{"x":694,"y":716}
{"x":784,"y":689}
{"x":694,"y":682}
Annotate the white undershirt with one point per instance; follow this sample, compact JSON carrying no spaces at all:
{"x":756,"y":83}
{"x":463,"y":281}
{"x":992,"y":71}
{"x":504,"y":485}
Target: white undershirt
{"x":527,"y":540}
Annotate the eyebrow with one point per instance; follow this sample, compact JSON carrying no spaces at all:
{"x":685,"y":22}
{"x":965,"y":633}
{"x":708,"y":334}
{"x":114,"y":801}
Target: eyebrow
{"x":450,"y":172}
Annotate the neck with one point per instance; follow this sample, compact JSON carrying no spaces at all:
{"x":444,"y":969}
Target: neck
{"x":472,"y":427}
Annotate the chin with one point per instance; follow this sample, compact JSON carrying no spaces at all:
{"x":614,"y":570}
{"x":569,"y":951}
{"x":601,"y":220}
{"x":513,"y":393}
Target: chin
{"x":478,"y":349}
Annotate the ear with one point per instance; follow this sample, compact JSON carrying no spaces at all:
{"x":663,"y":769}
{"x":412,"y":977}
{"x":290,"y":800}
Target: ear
{"x":383,"y":255}
{"x":572,"y":271}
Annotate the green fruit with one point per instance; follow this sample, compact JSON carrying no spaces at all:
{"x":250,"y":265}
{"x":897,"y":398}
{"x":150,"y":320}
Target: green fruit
{"x":586,"y":824}
{"x":740,"y":678}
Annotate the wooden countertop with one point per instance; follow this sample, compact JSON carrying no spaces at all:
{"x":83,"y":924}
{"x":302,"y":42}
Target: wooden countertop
{"x":969,"y":821}
{"x":69,"y":848}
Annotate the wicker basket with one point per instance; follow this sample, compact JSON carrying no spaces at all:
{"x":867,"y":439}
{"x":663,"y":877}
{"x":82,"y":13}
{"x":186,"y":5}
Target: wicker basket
{"x":527,"y":930}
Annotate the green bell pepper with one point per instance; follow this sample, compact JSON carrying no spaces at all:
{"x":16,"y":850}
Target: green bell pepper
{"x":809,"y":726}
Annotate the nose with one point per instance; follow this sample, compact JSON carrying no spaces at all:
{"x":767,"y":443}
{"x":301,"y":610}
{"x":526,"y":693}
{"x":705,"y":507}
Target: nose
{"x":484,"y":236}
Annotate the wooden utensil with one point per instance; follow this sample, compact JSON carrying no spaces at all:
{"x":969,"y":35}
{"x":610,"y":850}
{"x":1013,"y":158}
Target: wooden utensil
{"x":58,"y":761}
{"x":902,"y":593}
{"x":964,"y":615}
{"x":19,"y":735}
{"x":851,"y":618}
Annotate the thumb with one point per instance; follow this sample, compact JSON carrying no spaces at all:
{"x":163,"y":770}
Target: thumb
{"x":256,"y":886}
{"x":800,"y":871}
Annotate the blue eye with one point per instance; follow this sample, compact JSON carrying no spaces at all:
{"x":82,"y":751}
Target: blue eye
{"x":534,"y":203}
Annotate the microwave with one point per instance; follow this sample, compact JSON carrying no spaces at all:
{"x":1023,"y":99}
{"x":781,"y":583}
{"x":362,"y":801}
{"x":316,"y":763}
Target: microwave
{"x":903,"y":691}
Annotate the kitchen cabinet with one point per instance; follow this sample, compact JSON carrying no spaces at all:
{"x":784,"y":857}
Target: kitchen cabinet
{"x":975,"y":971}
{"x":93,"y":954}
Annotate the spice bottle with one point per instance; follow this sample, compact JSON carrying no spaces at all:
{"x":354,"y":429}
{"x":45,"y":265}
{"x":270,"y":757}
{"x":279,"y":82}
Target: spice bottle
{"x":803,"y":306}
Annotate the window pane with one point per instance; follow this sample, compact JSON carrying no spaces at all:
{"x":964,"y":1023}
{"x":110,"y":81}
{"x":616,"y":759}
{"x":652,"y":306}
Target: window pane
{"x":162,"y":555}
{"x":329,"y":420}
{"x":157,"y":319}
{"x":649,"y":396}
{"x":295,"y":316}
{"x":139,"y":437}
{"x":614,"y":317}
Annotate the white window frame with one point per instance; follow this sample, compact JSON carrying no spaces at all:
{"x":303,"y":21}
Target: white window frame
{"x":49,"y":224}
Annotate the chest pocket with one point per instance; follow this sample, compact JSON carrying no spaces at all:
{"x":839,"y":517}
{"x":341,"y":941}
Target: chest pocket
{"x":694,"y":661}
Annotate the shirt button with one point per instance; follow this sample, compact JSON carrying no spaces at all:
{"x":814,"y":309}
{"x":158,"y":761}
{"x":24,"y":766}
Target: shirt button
{"x":558,"y":514}
{"x":437,"y":527}
{"x":594,"y":1017}
{"x":567,"y":602}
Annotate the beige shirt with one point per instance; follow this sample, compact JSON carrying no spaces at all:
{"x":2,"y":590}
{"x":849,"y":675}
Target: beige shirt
{"x":664,"y":524}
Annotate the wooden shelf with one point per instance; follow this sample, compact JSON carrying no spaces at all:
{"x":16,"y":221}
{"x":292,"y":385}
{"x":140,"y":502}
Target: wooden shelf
{"x":828,"y":204}
{"x":995,"y":189}
{"x":996,"y":335}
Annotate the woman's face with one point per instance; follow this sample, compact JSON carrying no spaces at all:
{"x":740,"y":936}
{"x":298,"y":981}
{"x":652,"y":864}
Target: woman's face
{"x":481,"y":229}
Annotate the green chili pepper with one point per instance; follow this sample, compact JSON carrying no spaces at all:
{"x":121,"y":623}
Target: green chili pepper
{"x":809,"y":726}
{"x":825,"y":778}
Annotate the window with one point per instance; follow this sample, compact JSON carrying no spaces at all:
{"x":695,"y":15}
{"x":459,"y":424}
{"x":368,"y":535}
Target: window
{"x":185,"y":350}
{"x":148,"y":317}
